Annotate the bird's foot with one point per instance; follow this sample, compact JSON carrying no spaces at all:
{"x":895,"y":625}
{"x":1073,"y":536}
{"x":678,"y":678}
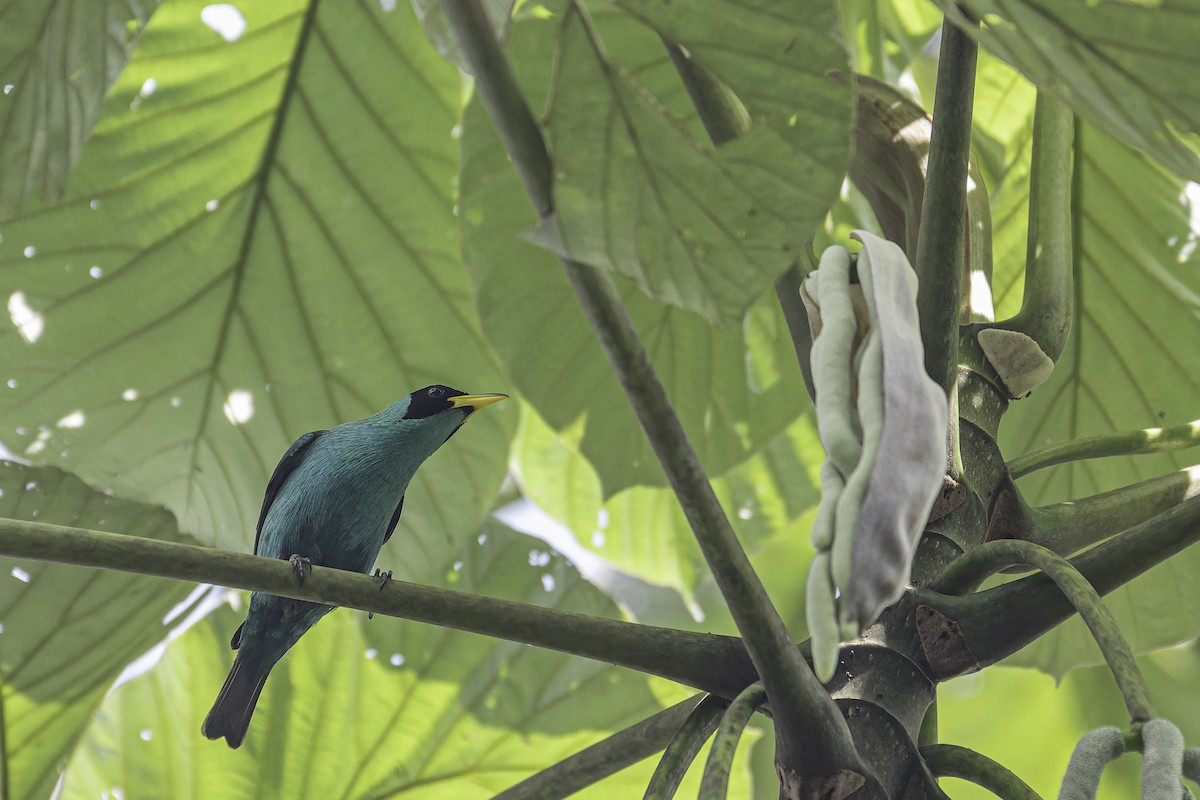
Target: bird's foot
{"x":301,"y":566}
{"x":384,"y":577}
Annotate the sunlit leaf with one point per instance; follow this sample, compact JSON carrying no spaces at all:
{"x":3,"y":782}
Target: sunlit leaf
{"x":262,"y":247}
{"x":1034,"y":738}
{"x":57,"y":60}
{"x":733,"y":392}
{"x":1127,"y":66}
{"x":67,"y":632}
{"x":641,"y":529}
{"x":639,"y":188}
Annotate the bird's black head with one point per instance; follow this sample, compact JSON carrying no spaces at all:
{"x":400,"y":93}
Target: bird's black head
{"x":430,"y":400}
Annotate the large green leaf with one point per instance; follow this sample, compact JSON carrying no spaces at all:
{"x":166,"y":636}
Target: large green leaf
{"x":376,"y":709}
{"x":1126,"y":66}
{"x":733,"y":390}
{"x":67,"y":632}
{"x":263,"y":246}
{"x":57,"y":60}
{"x":642,"y":530}
{"x":639,"y":188}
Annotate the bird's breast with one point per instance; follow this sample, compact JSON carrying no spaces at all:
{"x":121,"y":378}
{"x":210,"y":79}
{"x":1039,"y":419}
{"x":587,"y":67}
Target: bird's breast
{"x":334,"y":509}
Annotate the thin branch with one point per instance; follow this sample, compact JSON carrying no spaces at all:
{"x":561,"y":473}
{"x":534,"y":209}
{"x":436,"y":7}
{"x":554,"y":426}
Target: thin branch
{"x":965,"y":575}
{"x":1127,"y":443}
{"x":715,"y":783}
{"x":1068,"y":527}
{"x":952,"y":761}
{"x":940,"y":245}
{"x":685,"y":744}
{"x":716,"y":664}
{"x":811,"y":716}
{"x":995,"y":623}
{"x":818,"y":740}
{"x":606,"y":757}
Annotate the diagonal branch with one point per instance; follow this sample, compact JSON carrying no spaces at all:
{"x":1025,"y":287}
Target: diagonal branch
{"x":716,"y":664}
{"x":1128,"y":443}
{"x":683,"y":748}
{"x":805,"y":744}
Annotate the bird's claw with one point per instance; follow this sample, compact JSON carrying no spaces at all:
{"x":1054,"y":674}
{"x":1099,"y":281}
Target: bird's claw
{"x":301,"y":566}
{"x":384,"y":577}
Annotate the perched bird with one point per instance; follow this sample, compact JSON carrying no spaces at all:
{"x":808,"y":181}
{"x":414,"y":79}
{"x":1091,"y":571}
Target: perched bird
{"x":334,"y":499}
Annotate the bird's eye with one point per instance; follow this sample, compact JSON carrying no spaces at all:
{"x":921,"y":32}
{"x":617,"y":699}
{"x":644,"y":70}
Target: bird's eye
{"x":436,"y":391}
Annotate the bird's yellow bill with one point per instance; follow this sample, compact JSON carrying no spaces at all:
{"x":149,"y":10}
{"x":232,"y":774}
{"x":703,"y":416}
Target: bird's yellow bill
{"x":475,"y":401}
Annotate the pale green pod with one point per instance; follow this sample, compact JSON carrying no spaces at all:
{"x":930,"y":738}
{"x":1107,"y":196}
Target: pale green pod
{"x":1162,"y":760}
{"x":821,"y":614}
{"x":831,"y":488}
{"x":831,"y":351}
{"x":1093,"y":753}
{"x":870,"y":412}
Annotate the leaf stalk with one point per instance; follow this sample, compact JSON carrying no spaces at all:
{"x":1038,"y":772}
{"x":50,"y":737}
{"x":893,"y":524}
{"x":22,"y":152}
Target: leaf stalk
{"x":1126,"y":443}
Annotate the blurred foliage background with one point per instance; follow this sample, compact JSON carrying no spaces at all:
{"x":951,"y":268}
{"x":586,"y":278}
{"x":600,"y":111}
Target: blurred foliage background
{"x":222,"y":226}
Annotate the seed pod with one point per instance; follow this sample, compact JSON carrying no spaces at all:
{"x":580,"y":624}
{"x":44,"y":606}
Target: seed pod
{"x":1162,"y":760}
{"x":909,"y":460}
{"x":870,"y":413}
{"x":832,"y":484}
{"x":831,"y":353}
{"x":1093,"y":753}
{"x":820,"y":612}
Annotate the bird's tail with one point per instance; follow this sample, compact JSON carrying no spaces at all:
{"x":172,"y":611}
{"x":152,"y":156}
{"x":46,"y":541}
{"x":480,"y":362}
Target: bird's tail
{"x":230,"y":714}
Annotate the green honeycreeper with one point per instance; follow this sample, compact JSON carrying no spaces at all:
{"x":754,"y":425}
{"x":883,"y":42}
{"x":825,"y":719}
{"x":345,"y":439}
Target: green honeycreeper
{"x":334,"y":499}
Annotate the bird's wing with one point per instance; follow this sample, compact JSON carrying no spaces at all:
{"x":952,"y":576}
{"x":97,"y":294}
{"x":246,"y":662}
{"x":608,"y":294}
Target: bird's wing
{"x":395,"y":519}
{"x":291,"y":459}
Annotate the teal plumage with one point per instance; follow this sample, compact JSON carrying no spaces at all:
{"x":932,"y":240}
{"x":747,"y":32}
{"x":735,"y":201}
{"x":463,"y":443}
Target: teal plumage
{"x":334,"y":499}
